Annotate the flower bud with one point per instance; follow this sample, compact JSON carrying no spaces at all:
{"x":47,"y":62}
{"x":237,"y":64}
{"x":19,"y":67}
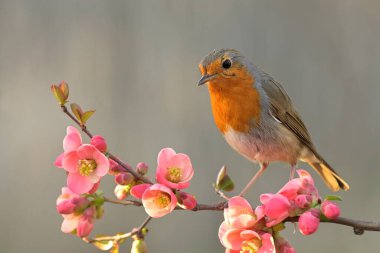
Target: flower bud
{"x":330,"y":210}
{"x":139,"y":246}
{"x":142,"y":168}
{"x":124,"y":178}
{"x":66,"y":207}
{"x":308,"y":222}
{"x":84,"y":227}
{"x":186,"y":200}
{"x":80,"y":203}
{"x":122,"y":191}
{"x":303,"y":201}
{"x":99,"y":142}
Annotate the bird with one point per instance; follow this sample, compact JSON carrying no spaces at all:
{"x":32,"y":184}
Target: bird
{"x":257,"y":117}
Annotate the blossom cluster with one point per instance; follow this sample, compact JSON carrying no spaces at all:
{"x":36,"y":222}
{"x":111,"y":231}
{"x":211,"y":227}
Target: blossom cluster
{"x":249,"y":230}
{"x":85,"y":163}
{"x":173,"y":174}
{"x":78,"y":212}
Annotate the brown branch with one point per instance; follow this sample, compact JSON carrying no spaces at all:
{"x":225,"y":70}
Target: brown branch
{"x":358,"y":225}
{"x":123,"y":202}
{"x":199,"y":207}
{"x":111,"y":156}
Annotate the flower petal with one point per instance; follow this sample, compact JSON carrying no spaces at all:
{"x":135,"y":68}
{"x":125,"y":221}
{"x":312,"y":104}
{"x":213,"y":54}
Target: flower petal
{"x":138,"y":190}
{"x":164,"y":155}
{"x":267,"y":244}
{"x":183,"y":162}
{"x":102,"y":164}
{"x":79,"y":184}
{"x":69,"y":223}
{"x":72,"y":140}
{"x":58,"y":160}
{"x":86,"y":151}
{"x":232,"y":239}
{"x":70,"y":162}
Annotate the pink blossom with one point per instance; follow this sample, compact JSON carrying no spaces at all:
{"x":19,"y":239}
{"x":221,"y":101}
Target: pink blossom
{"x":303,"y":201}
{"x":66,"y":206}
{"x":85,"y":223}
{"x":244,"y":240}
{"x":158,"y":200}
{"x":72,"y":141}
{"x":71,"y":219}
{"x":174,"y":170}
{"x":276,"y":208}
{"x":330,"y":209}
{"x":235,"y":233}
{"x":137,"y":191}
{"x":142,"y":168}
{"x":186,"y":201}
{"x":99,"y":142}
{"x":86,"y":165}
{"x":308,"y":222}
{"x":124,"y":178}
{"x":240,"y":214}
{"x":304,"y":184}
{"x":300,"y":192}
{"x":70,"y":223}
{"x":84,"y":227}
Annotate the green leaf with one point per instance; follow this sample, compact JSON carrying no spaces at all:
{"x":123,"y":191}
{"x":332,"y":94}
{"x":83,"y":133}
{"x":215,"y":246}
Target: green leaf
{"x":58,"y":94}
{"x":75,"y":108}
{"x":103,"y":245}
{"x":64,"y":87}
{"x":333,"y":198}
{"x":86,"y":116}
{"x":224,"y":181}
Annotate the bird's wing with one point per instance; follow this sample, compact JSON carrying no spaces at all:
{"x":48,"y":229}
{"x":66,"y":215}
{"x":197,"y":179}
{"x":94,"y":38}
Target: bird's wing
{"x":281,"y":108}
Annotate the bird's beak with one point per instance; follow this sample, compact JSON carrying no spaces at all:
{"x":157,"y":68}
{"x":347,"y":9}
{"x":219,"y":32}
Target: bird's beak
{"x":206,"y":78}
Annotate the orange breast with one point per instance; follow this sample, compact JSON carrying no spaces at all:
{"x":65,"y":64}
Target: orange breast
{"x":234,"y":105}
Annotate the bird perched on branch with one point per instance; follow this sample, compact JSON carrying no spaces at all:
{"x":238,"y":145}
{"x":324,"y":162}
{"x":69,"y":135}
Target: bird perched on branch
{"x":257,"y":117}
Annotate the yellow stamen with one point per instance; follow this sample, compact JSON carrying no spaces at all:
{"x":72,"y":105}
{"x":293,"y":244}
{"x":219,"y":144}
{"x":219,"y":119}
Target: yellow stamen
{"x":251,"y":246}
{"x":86,"y":167}
{"x":162,"y":200}
{"x":174,"y":174}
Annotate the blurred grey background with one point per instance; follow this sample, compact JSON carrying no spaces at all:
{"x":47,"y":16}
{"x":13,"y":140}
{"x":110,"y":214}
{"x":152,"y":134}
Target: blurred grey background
{"x":135,"y":62}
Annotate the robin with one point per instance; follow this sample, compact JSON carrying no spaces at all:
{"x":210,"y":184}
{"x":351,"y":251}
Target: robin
{"x":257,"y":117}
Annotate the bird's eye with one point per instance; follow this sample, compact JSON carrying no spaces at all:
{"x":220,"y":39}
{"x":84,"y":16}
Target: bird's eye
{"x":226,"y":64}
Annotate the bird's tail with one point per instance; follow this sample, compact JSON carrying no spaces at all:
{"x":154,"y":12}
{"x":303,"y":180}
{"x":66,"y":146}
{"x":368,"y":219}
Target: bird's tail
{"x":331,"y":178}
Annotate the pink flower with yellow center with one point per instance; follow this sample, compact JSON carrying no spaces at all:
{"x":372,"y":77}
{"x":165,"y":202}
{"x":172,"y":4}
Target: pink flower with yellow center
{"x":174,"y":170}
{"x":240,"y":214}
{"x":158,"y":200}
{"x":237,"y":234}
{"x":246,"y":241}
{"x":85,"y":165}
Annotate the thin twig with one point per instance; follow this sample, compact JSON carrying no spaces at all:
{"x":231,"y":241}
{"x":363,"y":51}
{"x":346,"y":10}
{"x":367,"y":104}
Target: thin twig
{"x":123,"y":202}
{"x":116,"y":238}
{"x":358,"y":225}
{"x":199,"y":207}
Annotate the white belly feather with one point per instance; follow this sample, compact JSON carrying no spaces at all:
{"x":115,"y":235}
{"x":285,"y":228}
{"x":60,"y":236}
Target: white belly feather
{"x":266,"y":145}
